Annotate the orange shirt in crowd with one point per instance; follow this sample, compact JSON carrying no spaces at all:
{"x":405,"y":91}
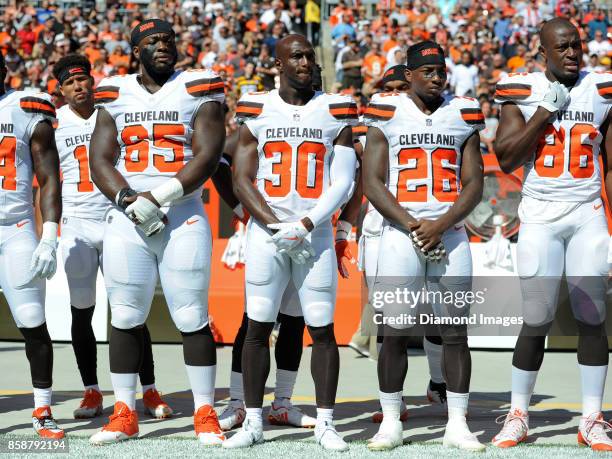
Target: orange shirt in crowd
{"x":390,"y":43}
{"x":516,"y":62}
{"x":118,"y":61}
{"x":375,"y":65}
{"x":93,"y":54}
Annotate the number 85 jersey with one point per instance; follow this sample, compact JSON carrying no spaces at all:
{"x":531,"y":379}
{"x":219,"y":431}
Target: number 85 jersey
{"x":20,"y":113}
{"x":295,"y":146}
{"x":565,"y":165}
{"x":154,"y":130}
{"x":424,"y":150}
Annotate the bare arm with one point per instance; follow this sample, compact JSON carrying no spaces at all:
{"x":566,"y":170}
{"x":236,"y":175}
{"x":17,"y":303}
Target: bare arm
{"x":350,"y":212}
{"x":606,"y":144}
{"x":46,"y":165}
{"x":222,"y":178}
{"x":375,"y":169}
{"x":102,"y":155}
{"x":244,"y":175}
{"x":516,"y":140}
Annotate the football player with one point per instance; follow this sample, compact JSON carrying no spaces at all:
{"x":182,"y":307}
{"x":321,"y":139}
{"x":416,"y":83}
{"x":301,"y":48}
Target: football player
{"x":27,"y":147}
{"x":83,"y":209}
{"x":293,"y":168}
{"x":159,"y":135}
{"x":289,"y":345}
{"x":394,"y":79}
{"x":423,"y":173}
{"x":555,"y":123}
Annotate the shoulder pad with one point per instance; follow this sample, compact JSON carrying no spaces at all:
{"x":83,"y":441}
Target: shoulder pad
{"x":470,"y":110}
{"x":201,"y":83}
{"x":250,"y":105}
{"x":342,"y":107}
{"x":603,"y":83}
{"x":38,"y":103}
{"x":108,"y":90}
{"x":381,"y":107}
{"x":516,"y":86}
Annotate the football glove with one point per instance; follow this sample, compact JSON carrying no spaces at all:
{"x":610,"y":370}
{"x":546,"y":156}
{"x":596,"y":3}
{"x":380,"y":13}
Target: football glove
{"x":147,"y":216}
{"x":343,"y":252}
{"x":556,"y":97}
{"x":288,"y":235}
{"x":233,"y":255}
{"x":301,"y":253}
{"x":44,"y":258}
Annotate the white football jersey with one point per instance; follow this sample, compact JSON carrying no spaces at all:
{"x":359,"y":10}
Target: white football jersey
{"x":424,"y":150}
{"x":295,"y":146}
{"x":80,"y":196}
{"x":154,"y":131}
{"x":20,"y":112}
{"x":565,"y":165}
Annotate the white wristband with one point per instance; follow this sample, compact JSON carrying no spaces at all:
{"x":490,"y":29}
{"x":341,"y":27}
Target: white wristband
{"x":343,"y":229}
{"x":239,"y":211}
{"x":49,"y":232}
{"x":168,"y":191}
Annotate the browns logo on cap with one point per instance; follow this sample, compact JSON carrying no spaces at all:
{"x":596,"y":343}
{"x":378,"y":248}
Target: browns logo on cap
{"x":146,"y":26}
{"x":149,"y":27}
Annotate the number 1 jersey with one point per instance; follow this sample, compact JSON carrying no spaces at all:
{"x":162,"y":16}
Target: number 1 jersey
{"x":154,"y":130}
{"x":80,"y":196}
{"x":295,"y":146}
{"x":20,"y":113}
{"x":565,"y":165}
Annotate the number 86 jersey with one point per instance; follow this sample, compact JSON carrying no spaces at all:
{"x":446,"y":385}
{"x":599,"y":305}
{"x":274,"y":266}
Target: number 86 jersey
{"x":565,"y":165}
{"x":424,"y":150}
{"x":154,"y":130}
{"x":295,"y":146}
{"x":20,"y":113}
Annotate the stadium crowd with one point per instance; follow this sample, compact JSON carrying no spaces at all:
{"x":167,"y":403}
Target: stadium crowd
{"x":483,"y":40}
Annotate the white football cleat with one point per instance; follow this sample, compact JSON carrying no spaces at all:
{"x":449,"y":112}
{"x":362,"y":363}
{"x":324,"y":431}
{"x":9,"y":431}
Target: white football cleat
{"x":593,"y":432}
{"x":326,"y":436}
{"x":363,"y":351}
{"x":514,"y":431}
{"x":458,"y":435}
{"x":285,"y":414}
{"x":90,"y":406}
{"x":122,"y":425}
{"x":155,"y":406}
{"x":389,"y":436}
{"x":233,"y":415}
{"x":249,"y":435}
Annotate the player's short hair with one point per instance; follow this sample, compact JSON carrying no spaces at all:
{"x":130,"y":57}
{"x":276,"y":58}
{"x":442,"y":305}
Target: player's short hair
{"x":70,"y":65}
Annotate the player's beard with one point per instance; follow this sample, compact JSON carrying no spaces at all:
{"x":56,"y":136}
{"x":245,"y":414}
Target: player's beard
{"x":146,"y":58}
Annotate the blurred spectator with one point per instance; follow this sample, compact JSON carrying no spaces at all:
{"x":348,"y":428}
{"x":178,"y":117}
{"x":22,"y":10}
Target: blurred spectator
{"x":374,"y":65}
{"x":487,"y":135}
{"x":265,"y":66}
{"x":249,"y":82}
{"x":344,"y":29}
{"x":464,"y":76}
{"x":599,"y":45}
{"x":312,"y":18}
{"x":593,"y":64}
{"x":351,"y":67}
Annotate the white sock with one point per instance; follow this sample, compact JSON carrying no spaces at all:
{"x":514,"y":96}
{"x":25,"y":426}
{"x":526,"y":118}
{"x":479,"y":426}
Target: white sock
{"x":94,"y":387}
{"x":202,"y":382}
{"x":523,"y":383}
{"x":124,"y":385}
{"x":434,"y":360}
{"x":253,"y":415}
{"x":325,"y":415}
{"x":391,"y":403}
{"x":236,"y":388}
{"x":593,"y":379}
{"x":42,"y":397}
{"x":285,"y":381}
{"x":457,"y":405}
{"x":146,"y":387}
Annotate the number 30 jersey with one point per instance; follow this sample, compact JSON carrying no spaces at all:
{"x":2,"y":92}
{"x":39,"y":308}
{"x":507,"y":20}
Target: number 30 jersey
{"x":424,"y":150}
{"x":80,"y":196}
{"x":565,"y":165}
{"x":20,"y":113}
{"x":154,"y":131}
{"x":295,"y":146}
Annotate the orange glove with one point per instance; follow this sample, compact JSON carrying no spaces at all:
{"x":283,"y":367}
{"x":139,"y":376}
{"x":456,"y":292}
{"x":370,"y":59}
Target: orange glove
{"x":343,"y":251}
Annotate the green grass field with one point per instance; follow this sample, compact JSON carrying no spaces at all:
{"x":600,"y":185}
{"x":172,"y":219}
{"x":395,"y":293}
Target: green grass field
{"x":182,"y":447}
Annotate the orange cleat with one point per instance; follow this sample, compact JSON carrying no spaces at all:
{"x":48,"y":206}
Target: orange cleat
{"x":206,"y":425}
{"x":514,"y":431}
{"x":593,"y":432}
{"x":122,"y":425}
{"x":155,"y":406}
{"x":45,"y":425}
{"x":91,"y":405}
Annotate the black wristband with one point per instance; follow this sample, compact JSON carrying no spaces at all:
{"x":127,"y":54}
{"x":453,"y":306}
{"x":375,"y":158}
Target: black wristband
{"x":124,"y":193}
